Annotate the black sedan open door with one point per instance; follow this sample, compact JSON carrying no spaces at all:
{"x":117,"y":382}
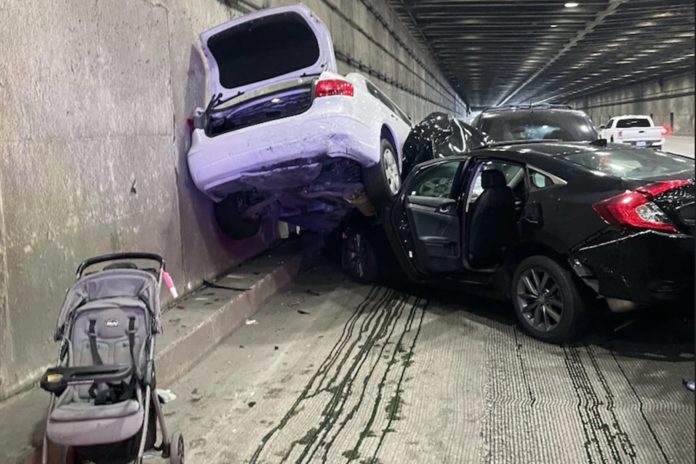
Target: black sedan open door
{"x":431,"y":207}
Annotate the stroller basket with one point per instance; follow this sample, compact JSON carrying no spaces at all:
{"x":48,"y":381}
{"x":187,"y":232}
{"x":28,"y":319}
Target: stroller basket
{"x":103,"y":406}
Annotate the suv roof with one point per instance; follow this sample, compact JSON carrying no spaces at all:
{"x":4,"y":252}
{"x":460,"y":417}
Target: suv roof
{"x":539,"y":106}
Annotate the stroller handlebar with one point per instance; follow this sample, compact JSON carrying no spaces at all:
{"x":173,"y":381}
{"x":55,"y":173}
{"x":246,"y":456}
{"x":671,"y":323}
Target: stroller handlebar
{"x":119,"y":256}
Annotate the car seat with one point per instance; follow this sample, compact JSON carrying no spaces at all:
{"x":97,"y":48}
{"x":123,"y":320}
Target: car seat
{"x":492,"y":224}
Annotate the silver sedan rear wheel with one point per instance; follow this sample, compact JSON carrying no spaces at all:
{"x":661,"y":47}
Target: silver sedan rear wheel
{"x":391,"y":171}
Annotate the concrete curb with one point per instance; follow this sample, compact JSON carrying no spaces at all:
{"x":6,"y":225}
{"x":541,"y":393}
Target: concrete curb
{"x":180,"y":356}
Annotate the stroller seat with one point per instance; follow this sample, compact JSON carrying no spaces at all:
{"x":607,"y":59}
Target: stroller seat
{"x":82,"y":423}
{"x":105,"y":332}
{"x":86,"y":410}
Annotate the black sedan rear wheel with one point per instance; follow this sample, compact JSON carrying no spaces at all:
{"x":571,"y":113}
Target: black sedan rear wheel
{"x":358,"y":258}
{"x":547,"y":300}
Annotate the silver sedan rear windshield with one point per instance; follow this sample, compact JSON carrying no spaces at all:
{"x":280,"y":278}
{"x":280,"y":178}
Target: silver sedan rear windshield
{"x":537,"y":125}
{"x":264,"y":48}
{"x":632,"y":163}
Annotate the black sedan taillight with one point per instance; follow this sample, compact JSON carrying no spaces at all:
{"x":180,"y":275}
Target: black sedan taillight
{"x":636,"y":208}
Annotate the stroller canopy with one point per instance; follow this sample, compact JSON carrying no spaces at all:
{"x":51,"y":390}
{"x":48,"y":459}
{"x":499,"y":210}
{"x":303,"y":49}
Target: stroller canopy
{"x":112,"y":283}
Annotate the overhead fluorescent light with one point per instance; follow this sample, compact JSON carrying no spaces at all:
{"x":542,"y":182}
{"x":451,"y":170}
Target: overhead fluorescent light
{"x":554,"y":25}
{"x":571,"y":4}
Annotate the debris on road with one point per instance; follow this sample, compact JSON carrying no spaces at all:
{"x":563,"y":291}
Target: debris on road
{"x":165,"y":396}
{"x":210,"y":284}
{"x":251,"y":322}
{"x":295,"y":302}
{"x":689,"y":384}
{"x":302,"y":312}
{"x":195,"y":396}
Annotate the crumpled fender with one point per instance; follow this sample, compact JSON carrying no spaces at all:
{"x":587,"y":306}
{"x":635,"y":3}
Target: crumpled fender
{"x":641,"y":266}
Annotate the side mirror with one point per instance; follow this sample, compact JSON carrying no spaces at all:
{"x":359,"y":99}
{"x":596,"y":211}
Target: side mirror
{"x":602,"y":126}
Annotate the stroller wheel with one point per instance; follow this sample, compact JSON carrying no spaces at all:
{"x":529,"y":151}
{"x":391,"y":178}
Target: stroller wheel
{"x":176,"y":453}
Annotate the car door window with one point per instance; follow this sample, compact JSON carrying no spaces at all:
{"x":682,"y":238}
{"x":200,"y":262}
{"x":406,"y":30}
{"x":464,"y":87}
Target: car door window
{"x":435,"y":182}
{"x":608,"y":125}
{"x":539,"y":180}
{"x":514,"y":177}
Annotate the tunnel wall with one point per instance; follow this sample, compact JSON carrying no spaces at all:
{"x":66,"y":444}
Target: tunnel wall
{"x":670,"y":100}
{"x":93,"y":135}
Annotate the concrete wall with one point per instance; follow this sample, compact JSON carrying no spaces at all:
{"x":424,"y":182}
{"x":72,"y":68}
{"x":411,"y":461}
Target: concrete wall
{"x":670,"y":100}
{"x":369,"y":38}
{"x":93,"y":137}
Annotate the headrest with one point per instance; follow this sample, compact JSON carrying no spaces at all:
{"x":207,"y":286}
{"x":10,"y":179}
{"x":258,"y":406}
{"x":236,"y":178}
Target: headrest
{"x":492,"y":178}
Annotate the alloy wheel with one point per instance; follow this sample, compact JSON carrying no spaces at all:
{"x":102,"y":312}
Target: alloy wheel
{"x":357,"y":251}
{"x":391,"y":171}
{"x":539,"y":299}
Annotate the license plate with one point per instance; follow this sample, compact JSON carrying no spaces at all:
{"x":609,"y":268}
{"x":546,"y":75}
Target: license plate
{"x":640,"y":144}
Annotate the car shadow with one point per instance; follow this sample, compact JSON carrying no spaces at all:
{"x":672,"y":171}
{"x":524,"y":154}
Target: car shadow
{"x":664,"y":333}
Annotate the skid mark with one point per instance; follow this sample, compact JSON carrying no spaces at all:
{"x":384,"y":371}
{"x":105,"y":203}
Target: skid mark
{"x":605,"y":439}
{"x":642,"y":410}
{"x":353,"y":398}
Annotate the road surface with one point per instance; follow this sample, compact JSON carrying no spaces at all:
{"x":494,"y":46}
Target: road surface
{"x":335,"y":372}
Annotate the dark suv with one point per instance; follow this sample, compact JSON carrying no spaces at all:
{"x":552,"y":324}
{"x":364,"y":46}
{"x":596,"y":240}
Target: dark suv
{"x":536,"y":122}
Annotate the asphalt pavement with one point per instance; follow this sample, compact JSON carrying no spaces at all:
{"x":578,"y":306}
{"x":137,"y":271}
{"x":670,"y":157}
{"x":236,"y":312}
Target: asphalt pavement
{"x":681,"y":144}
{"x":330,"y":371}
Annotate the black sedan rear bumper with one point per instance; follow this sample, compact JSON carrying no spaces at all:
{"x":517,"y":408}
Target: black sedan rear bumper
{"x":645,"y":267}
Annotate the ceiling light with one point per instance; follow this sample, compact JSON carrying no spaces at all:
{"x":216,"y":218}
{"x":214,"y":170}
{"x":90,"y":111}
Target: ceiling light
{"x":554,"y":25}
{"x":571,"y":4}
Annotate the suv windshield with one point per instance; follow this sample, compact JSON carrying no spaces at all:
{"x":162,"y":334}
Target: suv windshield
{"x":631,"y":163}
{"x":537,"y":125}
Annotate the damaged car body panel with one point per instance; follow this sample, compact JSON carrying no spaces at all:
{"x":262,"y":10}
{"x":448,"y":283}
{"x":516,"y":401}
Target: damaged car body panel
{"x":284,"y":135}
{"x":628,"y":268}
{"x":439,"y":135}
{"x":648,"y":266}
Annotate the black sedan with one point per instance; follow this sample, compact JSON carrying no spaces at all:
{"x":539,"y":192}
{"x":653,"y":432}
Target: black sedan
{"x":553,"y":226}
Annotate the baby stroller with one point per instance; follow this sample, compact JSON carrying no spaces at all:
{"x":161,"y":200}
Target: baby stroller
{"x":104,"y":407}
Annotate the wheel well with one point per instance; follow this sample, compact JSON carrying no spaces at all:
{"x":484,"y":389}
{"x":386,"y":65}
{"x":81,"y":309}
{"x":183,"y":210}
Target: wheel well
{"x":517,"y":254}
{"x":525,"y":250}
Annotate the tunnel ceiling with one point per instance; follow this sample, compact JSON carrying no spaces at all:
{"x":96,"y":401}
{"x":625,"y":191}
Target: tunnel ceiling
{"x":525,"y":51}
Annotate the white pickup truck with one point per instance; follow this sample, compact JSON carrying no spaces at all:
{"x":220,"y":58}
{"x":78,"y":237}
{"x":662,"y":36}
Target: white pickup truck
{"x":639,"y":131}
